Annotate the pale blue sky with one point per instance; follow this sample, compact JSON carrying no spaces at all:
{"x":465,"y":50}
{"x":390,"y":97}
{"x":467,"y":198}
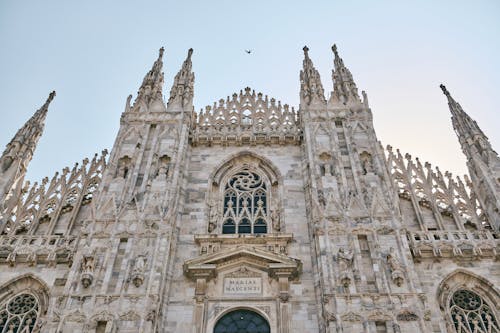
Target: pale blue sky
{"x":95,"y":53}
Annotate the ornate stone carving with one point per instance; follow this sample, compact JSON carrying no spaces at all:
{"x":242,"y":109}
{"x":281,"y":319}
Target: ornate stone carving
{"x":137,"y":274}
{"x":344,"y":260}
{"x":123,"y":166}
{"x":352,"y":317}
{"x":275,"y":219}
{"x":246,"y":115}
{"x":406,"y":315}
{"x":242,"y":272}
{"x":330,"y":317}
{"x":87,"y":266}
{"x":163,"y":167}
{"x":213,"y":217}
{"x":395,"y":267}
{"x":366,"y":162}
{"x":266,"y":309}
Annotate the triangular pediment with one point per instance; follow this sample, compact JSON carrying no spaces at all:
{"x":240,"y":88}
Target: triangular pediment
{"x":209,"y":265}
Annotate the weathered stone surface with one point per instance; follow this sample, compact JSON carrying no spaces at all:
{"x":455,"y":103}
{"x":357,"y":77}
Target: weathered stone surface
{"x":300,"y":217}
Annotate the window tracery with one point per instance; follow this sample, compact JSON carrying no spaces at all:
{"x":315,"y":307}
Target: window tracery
{"x":470,"y":313}
{"x":246,"y":201}
{"x":19,"y":314}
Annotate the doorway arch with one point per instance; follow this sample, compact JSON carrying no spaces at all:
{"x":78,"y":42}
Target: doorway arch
{"x":242,"y":321}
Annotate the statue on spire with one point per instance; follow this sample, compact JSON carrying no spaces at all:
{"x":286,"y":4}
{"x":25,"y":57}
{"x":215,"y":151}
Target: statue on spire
{"x":181,"y":94}
{"x":482,"y":161}
{"x":344,"y":88}
{"x":472,"y":138}
{"x":311,"y":88}
{"x":17,"y":155}
{"x":150,"y":90}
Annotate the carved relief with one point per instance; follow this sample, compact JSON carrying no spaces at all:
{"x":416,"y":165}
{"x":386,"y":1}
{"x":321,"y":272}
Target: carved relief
{"x":246,"y":115}
{"x":366,"y":162}
{"x":344,"y":260}
{"x":395,"y":267}
{"x":123,"y":167}
{"x":138,"y":270}
{"x":163,"y":167}
{"x":87,"y":266}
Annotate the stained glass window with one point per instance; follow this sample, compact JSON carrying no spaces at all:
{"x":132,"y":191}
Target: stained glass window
{"x":471,"y":314}
{"x":19,"y":314}
{"x":242,"y":321}
{"x":245,"y":204}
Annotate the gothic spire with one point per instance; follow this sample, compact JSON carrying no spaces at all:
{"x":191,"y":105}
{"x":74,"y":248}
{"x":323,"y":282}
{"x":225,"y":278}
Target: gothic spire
{"x":152,"y":84}
{"x":471,"y":137}
{"x":311,"y":89}
{"x":344,"y":88}
{"x":482,"y":161}
{"x":181,"y":94}
{"x":18,"y":153}
{"x":24,"y":142}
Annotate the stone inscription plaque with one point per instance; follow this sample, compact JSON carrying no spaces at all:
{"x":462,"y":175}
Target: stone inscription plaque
{"x":243,"y":285}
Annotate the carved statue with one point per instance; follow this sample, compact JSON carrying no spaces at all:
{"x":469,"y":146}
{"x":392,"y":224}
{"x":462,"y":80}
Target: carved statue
{"x":7,"y":162}
{"x":163,"y":167}
{"x":87,"y":266}
{"x":213,"y":215}
{"x":395,"y":267}
{"x":11,"y":258}
{"x":328,"y":169}
{"x":87,"y":259}
{"x":344,"y":259}
{"x":276,"y":220}
{"x":137,"y":275}
{"x":123,"y":167}
{"x":366,"y":162}
{"x":393,"y":262}
{"x":330,"y":208}
{"x":32,"y":258}
{"x":140,"y":262}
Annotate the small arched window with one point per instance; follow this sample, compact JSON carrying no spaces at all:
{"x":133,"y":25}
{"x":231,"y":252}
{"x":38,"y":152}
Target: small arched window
{"x":245,"y":204}
{"x":470,"y":313}
{"x":242,"y":321}
{"x":19,"y":314}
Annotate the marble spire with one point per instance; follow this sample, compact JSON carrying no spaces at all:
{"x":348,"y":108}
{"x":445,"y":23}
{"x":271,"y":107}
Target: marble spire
{"x":311,"y":88}
{"x":181,"y":93}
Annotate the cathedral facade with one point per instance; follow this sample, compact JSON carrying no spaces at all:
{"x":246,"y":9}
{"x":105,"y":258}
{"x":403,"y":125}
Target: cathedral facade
{"x":250,"y":216}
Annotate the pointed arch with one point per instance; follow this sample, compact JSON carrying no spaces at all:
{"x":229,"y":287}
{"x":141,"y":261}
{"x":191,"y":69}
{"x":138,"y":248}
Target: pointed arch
{"x":245,"y":157}
{"x":23,"y":300}
{"x":468,"y":302}
{"x":132,"y":136}
{"x":249,"y":316}
{"x":244,"y":195}
{"x":322,"y":136}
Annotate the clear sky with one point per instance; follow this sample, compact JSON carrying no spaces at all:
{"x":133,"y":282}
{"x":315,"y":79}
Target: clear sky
{"x":95,"y":53}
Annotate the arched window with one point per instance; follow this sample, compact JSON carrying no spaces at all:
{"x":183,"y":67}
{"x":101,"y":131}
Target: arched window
{"x":19,"y":314}
{"x":242,"y":321}
{"x":470,"y":313}
{"x":245,"y":204}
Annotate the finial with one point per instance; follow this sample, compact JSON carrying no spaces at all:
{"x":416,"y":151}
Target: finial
{"x":49,"y":99}
{"x":160,"y":55}
{"x":445,"y":91}
{"x":306,"y":49}
{"x":190,"y":52}
{"x":51,"y":96}
{"x":334,"y":49}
